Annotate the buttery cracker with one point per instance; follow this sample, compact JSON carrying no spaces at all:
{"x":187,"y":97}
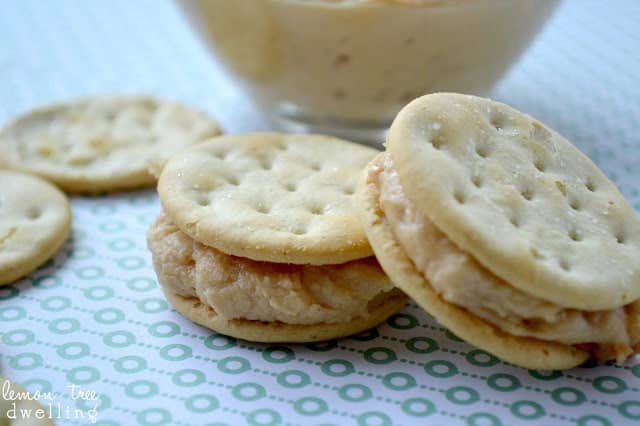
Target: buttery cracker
{"x":101,"y":143}
{"x":35,"y":220}
{"x":505,"y":232}
{"x":259,"y":239}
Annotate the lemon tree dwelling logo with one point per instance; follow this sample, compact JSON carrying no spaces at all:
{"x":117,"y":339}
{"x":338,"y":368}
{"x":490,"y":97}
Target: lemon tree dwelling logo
{"x":22,"y":405}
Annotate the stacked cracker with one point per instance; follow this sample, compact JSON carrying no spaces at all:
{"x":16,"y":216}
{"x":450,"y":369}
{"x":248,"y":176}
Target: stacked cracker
{"x":259,"y":239}
{"x":505,"y":233}
{"x":91,"y":145}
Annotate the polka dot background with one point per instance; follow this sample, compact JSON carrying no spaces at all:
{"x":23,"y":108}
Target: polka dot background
{"x":95,"y":317}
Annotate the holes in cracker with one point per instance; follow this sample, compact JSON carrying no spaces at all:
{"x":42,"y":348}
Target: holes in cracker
{"x":220,"y":155}
{"x":574,"y":235}
{"x":290,"y":187}
{"x":564,"y":264}
{"x":266,"y":163}
{"x":540,"y":165}
{"x":45,"y":151}
{"x":515,"y":221}
{"x":590,"y":185}
{"x":460,"y":197}
{"x":262,"y":208}
{"x":477,"y":181}
{"x":482,"y":151}
{"x":348,"y":190}
{"x":232,"y":180}
{"x":575,"y":204}
{"x":80,"y":160}
{"x":536,"y":253}
{"x":527,"y":193}
{"x":315,"y":167}
{"x":202,"y":199}
{"x":110,"y":116}
{"x":561,"y":187}
{"x":298,"y":230}
{"x":498,"y":120}
{"x":437,"y":142}
{"x":620,"y":238}
{"x":34,"y":213}
{"x":316,"y":209}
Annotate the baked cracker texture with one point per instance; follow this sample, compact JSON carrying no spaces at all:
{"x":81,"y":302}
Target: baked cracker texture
{"x":35,"y":221}
{"x":531,"y":248}
{"x":270,"y":197}
{"x":259,"y":239}
{"x":520,"y":198}
{"x":101,"y":143}
{"x":527,"y":352}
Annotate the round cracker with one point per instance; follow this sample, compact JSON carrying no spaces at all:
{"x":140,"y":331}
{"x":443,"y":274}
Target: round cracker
{"x":526,"y":352}
{"x":270,"y":197}
{"x":258,"y":331}
{"x":101,"y":143}
{"x":35,"y":220}
{"x":20,"y":403}
{"x":520,"y":198}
